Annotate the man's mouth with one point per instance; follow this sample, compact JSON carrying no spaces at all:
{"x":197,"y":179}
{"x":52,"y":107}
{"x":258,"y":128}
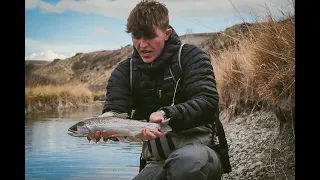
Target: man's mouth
{"x":145,"y":52}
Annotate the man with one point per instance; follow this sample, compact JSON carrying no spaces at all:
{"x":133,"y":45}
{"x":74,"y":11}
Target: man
{"x":185,"y":152}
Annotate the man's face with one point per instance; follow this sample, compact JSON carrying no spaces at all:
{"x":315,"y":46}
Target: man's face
{"x":150,"y":48}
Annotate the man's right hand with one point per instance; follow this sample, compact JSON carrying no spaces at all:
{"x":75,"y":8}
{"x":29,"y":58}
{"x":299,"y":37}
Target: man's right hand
{"x":104,"y":136}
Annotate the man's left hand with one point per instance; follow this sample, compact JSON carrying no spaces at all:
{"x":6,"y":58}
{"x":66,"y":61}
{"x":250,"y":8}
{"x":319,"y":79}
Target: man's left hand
{"x":155,"y":117}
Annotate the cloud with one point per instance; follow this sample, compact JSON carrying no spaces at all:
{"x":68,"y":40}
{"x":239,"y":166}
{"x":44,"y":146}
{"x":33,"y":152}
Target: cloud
{"x":177,"y":8}
{"x":47,"y":56}
{"x":101,"y":32}
{"x":30,"y":4}
{"x":39,"y":50}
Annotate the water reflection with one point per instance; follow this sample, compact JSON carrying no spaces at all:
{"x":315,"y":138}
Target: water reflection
{"x":50,"y":153}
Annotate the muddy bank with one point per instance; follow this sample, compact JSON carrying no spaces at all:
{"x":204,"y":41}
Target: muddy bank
{"x":258,"y":149}
{"x":59,"y":106}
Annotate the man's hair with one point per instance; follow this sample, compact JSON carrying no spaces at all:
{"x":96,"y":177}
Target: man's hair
{"x":145,"y":17}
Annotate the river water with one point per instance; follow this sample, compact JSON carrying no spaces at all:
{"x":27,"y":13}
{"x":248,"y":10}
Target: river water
{"x":50,"y":153}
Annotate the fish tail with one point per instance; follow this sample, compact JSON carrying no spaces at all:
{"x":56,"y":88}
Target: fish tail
{"x":165,"y":126}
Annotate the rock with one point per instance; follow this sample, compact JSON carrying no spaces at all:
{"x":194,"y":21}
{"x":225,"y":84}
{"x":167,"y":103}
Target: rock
{"x":288,"y":148}
{"x":250,"y":145}
{"x":240,"y":170}
{"x":259,"y":163}
{"x":240,"y":120}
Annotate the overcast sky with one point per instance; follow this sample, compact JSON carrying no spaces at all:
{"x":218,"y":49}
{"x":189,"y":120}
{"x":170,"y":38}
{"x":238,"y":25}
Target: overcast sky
{"x":61,"y":28}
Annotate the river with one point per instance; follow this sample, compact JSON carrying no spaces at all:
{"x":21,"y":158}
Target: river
{"x":50,"y":153}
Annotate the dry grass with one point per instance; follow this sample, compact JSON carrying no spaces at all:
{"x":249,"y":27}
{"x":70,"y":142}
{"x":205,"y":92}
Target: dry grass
{"x":259,"y":71}
{"x":49,"y":97}
{"x":99,"y":96}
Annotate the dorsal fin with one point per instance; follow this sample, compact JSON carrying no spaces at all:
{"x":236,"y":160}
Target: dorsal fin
{"x":121,"y":115}
{"x":107,"y":114}
{"x":114,"y":114}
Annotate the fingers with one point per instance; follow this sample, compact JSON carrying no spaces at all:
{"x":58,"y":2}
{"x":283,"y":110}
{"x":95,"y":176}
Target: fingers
{"x":156,"y":117}
{"x":114,"y":138}
{"x":158,"y":133}
{"x":89,"y":138}
{"x":149,"y":135}
{"x":97,"y":136}
{"x":104,"y":136}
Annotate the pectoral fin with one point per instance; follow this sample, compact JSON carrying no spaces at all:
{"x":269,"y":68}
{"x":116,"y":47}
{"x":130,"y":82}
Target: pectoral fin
{"x":121,"y":139}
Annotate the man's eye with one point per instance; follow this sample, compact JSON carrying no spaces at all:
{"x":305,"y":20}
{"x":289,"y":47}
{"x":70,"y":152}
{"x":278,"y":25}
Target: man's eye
{"x":149,"y":37}
{"x":145,"y":37}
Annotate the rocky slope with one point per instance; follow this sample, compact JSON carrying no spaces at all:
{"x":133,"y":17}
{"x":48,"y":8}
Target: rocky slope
{"x":259,"y":149}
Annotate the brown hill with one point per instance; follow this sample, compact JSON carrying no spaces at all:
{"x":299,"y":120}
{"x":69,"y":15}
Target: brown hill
{"x":33,"y":65}
{"x":91,"y":69}
{"x":94,"y":68}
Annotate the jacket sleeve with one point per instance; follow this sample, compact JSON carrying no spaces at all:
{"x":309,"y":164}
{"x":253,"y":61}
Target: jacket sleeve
{"x":199,"y":86}
{"x":118,"y":91}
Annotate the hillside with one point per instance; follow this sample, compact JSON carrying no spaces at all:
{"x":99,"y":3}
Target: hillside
{"x":91,"y":69}
{"x":94,"y":68}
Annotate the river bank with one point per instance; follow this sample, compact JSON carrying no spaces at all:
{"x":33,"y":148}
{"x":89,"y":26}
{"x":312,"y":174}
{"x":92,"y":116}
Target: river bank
{"x":259,"y":149}
{"x":44,"y":98}
{"x":59,"y":106}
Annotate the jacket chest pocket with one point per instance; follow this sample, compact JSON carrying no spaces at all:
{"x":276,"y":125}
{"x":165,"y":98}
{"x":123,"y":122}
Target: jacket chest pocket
{"x":166,"y":91}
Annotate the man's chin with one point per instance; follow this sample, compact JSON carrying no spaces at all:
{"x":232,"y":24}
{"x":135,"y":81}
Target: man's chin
{"x":147,"y":60}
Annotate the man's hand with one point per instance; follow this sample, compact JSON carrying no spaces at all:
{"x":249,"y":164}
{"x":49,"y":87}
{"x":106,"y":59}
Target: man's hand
{"x":155,"y":117}
{"x":104,"y":136}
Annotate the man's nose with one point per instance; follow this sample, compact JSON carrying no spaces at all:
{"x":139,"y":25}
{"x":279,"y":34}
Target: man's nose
{"x":143,"y":43}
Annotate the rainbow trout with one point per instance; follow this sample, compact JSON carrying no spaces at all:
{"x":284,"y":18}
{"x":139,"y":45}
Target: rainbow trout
{"x":114,"y":124}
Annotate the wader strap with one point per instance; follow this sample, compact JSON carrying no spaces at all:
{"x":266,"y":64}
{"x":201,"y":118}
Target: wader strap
{"x":223,"y":146}
{"x":154,"y":149}
{"x":176,"y":69}
{"x":179,"y":59}
{"x":149,"y":147}
{"x":160,"y":148}
{"x":143,"y":163}
{"x":170,"y":142}
{"x":165,"y":146}
{"x":131,"y":73}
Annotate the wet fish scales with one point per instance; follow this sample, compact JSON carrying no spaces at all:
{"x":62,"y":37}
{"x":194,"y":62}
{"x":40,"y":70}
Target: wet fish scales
{"x":113,"y":123}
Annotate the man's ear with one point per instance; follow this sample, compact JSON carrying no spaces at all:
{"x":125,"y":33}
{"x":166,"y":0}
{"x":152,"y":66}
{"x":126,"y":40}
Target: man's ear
{"x":168,"y":33}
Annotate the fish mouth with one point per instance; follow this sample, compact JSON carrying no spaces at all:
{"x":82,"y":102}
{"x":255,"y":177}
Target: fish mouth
{"x":74,"y":133}
{"x":74,"y":130}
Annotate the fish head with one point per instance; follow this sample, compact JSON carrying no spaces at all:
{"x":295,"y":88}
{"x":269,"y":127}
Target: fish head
{"x":79,"y":130}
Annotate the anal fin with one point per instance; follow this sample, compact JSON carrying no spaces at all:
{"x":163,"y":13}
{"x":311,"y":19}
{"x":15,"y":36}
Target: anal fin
{"x":121,"y":139}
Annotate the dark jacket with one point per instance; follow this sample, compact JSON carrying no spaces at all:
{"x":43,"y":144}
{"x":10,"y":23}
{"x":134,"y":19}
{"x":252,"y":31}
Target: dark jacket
{"x":153,"y":88}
